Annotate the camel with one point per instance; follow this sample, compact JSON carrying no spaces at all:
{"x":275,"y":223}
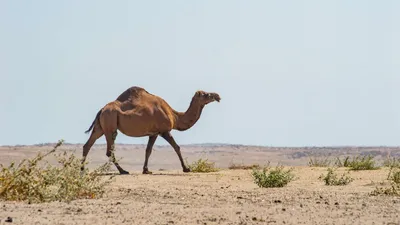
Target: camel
{"x":138,"y":113}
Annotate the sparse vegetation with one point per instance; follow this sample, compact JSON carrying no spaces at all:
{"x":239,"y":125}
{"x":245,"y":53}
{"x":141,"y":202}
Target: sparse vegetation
{"x":366,"y":162}
{"x":342,"y":163}
{"x":243,"y":167}
{"x":332,"y":179}
{"x":394,"y":165}
{"x":35,"y":180}
{"x":319,"y":162}
{"x":394,"y":188}
{"x":269,"y":178}
{"x":202,"y":166}
{"x":392,"y":162}
{"x":396,"y":177}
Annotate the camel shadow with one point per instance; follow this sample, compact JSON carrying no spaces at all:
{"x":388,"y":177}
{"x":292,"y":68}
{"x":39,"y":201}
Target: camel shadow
{"x":140,"y":174}
{"x":114,"y":174}
{"x":170,"y":174}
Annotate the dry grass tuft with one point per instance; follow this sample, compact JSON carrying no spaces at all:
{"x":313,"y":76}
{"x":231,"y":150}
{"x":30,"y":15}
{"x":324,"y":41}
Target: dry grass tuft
{"x":270,"y":178}
{"x":343,"y":163}
{"x":331,"y":178}
{"x":319,"y":162}
{"x":35,"y":183}
{"x":392,"y":162}
{"x":202,"y":166}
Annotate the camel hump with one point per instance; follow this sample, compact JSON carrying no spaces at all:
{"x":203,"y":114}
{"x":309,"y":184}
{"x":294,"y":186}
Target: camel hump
{"x":136,"y":89}
{"x":132,"y":92}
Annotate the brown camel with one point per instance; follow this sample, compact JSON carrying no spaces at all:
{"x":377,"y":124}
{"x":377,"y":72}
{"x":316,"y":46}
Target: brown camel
{"x":137,"y":113}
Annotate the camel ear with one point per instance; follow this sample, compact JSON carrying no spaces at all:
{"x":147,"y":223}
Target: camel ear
{"x":198,"y":93}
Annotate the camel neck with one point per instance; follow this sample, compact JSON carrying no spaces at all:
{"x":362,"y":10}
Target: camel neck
{"x":185,"y":120}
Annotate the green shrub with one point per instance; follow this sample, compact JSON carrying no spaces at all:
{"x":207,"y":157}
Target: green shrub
{"x":363,"y":163}
{"x":319,"y":162}
{"x":331,"y":178}
{"x":366,"y":162}
{"x":35,"y":183}
{"x":269,"y":178}
{"x":202,"y":166}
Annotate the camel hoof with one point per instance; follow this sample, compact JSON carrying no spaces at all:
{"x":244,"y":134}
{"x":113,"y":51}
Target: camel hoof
{"x":186,"y":170}
{"x":123,"y":172}
{"x":147,"y":172}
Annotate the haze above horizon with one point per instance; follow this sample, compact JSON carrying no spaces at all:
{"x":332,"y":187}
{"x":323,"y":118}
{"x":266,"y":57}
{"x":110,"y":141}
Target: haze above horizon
{"x":293,"y":73}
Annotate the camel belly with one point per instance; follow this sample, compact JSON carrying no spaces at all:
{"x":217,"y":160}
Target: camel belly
{"x":142,"y":125}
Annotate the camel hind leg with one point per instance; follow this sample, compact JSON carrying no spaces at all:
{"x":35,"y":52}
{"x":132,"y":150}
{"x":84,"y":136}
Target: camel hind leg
{"x":97,"y":132}
{"x":109,"y":124}
{"x":110,"y":137}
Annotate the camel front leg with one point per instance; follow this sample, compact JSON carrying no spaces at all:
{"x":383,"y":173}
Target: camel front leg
{"x":149,"y":148}
{"x":168,"y":137}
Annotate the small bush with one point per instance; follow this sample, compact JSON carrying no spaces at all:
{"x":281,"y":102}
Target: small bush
{"x":394,"y":188}
{"x":319,"y":162}
{"x":202,"y":166}
{"x":269,"y":178}
{"x":331,"y":178}
{"x":344,"y":163}
{"x":363,"y":163}
{"x":396,"y":177}
{"x":357,"y":163}
{"x":31,"y":182}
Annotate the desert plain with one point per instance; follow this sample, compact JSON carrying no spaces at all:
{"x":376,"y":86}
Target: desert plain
{"x":169,"y":196}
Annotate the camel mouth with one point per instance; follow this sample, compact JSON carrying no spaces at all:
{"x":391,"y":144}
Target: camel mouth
{"x":209,"y":97}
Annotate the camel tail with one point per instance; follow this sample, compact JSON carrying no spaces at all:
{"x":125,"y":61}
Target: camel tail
{"x":94,"y":122}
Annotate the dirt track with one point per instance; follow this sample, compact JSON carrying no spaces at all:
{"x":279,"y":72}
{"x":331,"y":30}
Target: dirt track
{"x":225,"y":197}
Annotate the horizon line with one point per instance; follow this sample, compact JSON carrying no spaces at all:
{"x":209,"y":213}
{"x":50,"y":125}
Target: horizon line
{"x":219,"y":144}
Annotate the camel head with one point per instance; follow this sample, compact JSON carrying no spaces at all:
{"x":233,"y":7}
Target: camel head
{"x":205,"y":97}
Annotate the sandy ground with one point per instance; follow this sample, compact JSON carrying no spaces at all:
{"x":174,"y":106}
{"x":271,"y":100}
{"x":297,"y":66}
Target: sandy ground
{"x":224,"y":197}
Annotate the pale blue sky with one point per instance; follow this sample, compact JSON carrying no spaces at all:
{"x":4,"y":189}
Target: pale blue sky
{"x":290,"y":73}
